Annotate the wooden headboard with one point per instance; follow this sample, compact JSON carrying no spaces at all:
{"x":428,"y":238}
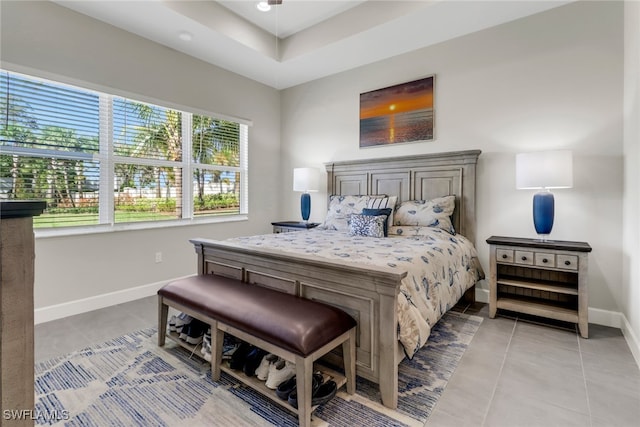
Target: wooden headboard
{"x":419,"y":177}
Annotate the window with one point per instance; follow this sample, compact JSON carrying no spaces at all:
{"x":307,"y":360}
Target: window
{"x":102,"y":159}
{"x":216,"y":161}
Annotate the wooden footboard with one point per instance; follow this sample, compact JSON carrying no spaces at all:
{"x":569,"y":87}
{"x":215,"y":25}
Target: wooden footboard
{"x":366,"y":293}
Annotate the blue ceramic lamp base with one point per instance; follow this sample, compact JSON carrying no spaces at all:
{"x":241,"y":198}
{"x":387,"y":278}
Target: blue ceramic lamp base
{"x":543,"y":211}
{"x":305,"y":206}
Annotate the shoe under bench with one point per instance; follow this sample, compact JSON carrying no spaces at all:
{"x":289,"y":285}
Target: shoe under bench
{"x":296,"y":329}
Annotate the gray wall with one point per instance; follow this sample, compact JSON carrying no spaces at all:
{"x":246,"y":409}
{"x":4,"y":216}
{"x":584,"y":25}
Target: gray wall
{"x":549,"y":81}
{"x":46,"y":40}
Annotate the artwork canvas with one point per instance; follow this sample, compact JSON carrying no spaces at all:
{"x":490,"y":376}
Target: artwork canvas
{"x":397,"y":114}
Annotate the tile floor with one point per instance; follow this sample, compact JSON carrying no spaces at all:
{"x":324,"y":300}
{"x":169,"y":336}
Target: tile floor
{"x":514,"y":373}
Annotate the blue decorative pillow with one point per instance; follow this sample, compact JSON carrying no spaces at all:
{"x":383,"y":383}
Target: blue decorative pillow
{"x":430,"y":213}
{"x":366,"y":225}
{"x":375,"y":212}
{"x":383,"y":202}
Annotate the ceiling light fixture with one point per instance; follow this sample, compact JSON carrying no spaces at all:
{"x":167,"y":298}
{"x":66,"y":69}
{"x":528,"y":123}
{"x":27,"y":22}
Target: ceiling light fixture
{"x":263,"y":6}
{"x":186,"y":36}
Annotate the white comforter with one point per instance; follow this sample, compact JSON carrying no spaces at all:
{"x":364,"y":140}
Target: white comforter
{"x":440,"y":267}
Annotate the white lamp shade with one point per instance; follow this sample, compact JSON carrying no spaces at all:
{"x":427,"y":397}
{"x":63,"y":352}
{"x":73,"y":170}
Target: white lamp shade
{"x":306,"y":179}
{"x":544,"y":169}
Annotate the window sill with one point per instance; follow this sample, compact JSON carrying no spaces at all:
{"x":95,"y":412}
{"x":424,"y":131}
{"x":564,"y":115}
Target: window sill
{"x":104,"y":228}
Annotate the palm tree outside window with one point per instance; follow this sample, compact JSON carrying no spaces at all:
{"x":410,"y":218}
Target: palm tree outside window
{"x":99,"y":159}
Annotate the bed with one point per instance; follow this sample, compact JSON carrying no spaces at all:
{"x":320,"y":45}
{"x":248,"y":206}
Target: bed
{"x":330,"y":266}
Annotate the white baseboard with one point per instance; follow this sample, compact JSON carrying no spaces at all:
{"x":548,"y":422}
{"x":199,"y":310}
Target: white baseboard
{"x":597,"y":316}
{"x":617,"y":320}
{"x":632,"y":339}
{"x":482,"y":295}
{"x":58,"y":311}
{"x":609,"y":318}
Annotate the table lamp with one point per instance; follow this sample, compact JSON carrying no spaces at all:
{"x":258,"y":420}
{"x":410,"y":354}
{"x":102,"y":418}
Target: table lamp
{"x":544,"y":170}
{"x":305,"y":180}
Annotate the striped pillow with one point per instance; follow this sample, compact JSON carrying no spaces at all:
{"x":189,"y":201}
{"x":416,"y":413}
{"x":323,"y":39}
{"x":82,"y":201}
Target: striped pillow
{"x":383,"y":203}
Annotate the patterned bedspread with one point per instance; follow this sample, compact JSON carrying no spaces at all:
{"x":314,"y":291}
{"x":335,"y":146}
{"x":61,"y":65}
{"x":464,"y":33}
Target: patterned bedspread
{"x":440,"y":267}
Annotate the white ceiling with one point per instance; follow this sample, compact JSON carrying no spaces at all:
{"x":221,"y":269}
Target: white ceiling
{"x":302,"y":40}
{"x":291,"y":16}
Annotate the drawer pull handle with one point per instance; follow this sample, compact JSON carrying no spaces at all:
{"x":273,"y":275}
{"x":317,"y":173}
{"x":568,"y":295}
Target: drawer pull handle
{"x":567,"y":262}
{"x":504,"y":256}
{"x":524,"y":258}
{"x":544,"y":260}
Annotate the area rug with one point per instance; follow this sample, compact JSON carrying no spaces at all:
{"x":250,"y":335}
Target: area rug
{"x":130,"y":381}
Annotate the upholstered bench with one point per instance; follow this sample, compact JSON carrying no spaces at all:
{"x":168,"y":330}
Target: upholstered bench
{"x":296,"y":329}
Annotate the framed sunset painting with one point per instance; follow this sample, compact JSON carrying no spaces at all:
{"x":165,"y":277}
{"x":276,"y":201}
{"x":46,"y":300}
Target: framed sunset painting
{"x":397,"y":114}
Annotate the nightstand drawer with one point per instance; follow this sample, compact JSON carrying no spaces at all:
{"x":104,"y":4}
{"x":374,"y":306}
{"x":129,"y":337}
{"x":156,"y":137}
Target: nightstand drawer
{"x":524,"y":257}
{"x":568,"y":262}
{"x":504,"y":255}
{"x":544,"y":259}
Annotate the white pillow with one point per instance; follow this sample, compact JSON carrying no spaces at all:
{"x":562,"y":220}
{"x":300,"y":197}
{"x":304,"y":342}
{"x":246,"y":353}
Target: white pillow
{"x":340,"y":207}
{"x":431,"y":213}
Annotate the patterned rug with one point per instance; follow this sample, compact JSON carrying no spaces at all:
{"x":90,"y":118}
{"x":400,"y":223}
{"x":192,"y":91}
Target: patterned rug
{"x":130,"y":381}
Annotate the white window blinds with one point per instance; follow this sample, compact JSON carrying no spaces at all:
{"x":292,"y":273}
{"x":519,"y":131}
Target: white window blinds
{"x":48,"y":134}
{"x":102,"y":159}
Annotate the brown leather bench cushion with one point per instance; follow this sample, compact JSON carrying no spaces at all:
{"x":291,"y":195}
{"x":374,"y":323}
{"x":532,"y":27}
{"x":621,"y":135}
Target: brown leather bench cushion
{"x":292,"y":323}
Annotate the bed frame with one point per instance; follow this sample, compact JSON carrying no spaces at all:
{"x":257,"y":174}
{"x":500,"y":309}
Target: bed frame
{"x":368,"y":293}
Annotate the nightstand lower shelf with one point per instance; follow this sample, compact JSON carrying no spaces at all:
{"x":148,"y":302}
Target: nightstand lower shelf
{"x":542,"y":309}
{"x":558,"y":288}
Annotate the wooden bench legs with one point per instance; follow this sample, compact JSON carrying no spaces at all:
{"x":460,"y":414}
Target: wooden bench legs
{"x":304,"y":372}
{"x":304,"y":364}
{"x":349,"y":358}
{"x":217,"y":339}
{"x":163,"y":313}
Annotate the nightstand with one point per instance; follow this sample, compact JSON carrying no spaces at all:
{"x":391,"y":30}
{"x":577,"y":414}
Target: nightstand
{"x":287,"y":226}
{"x":540,"y":278}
